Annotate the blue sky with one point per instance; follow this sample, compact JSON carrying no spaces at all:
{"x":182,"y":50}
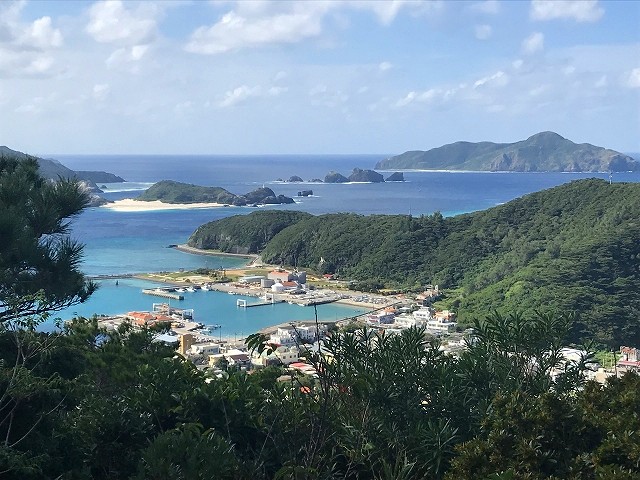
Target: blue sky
{"x":254,"y":77}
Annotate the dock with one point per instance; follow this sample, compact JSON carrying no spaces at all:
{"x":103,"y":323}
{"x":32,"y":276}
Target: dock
{"x":243,"y":303}
{"x":162,"y":293}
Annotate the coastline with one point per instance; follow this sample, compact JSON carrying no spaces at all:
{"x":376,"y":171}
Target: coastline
{"x":183,"y":247}
{"x":132,"y":205}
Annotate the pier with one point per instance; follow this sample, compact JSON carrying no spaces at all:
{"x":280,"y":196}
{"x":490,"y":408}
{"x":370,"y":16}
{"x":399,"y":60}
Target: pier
{"x":162,"y":293}
{"x":243,"y":303}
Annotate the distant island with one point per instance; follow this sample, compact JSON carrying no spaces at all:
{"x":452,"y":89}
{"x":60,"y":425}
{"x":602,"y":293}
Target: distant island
{"x":357,"y":175}
{"x":543,"y":152}
{"x":172,"y":192}
{"x":53,"y":169}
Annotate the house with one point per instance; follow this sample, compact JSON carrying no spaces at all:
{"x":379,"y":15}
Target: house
{"x":145,"y":319}
{"x":204,"y":348}
{"x":292,"y":335}
{"x":283,"y":354}
{"x":629,"y":358}
{"x":240,"y":360}
{"x":442,"y":322}
{"x":423,"y":315}
{"x":280,"y":276}
{"x":407,"y":321}
{"x":380,"y":318}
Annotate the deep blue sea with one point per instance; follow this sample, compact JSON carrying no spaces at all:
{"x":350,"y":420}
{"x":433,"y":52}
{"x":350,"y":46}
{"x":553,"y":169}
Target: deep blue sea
{"x":119,"y":242}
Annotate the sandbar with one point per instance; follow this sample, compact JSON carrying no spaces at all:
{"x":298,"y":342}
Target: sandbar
{"x":132,"y":205}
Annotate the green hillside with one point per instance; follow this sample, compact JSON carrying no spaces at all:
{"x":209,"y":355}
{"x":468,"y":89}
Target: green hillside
{"x":543,"y":152}
{"x":244,"y":233}
{"x":170,"y":191}
{"x":575,"y":247}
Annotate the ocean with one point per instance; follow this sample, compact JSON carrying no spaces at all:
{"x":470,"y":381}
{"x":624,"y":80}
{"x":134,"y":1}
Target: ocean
{"x":132,"y":242}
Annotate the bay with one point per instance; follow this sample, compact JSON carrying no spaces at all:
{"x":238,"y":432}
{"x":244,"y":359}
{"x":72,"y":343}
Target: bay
{"x":131,"y":242}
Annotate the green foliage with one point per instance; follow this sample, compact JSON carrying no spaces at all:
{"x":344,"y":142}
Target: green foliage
{"x":572,"y":248}
{"x":115,"y":404}
{"x":170,"y":191}
{"x":244,"y":233}
{"x":39,"y":264}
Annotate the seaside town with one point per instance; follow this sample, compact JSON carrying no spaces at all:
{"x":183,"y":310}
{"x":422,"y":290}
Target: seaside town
{"x":290,"y":342}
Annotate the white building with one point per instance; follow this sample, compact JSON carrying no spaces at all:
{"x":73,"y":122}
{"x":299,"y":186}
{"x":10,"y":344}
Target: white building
{"x":292,"y":335}
{"x":423,"y":315}
{"x":407,"y":321}
{"x":205,"y":348}
{"x":442,"y":322}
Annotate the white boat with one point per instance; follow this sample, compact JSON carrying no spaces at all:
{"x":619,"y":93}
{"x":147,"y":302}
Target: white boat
{"x":191,"y":289}
{"x":181,"y":290}
{"x":205,"y":287}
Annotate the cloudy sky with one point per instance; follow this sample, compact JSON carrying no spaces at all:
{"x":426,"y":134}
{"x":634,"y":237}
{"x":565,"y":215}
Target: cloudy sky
{"x":314,"y":76}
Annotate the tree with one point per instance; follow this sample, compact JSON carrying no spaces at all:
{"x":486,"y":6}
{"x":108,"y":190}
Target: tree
{"x":39,"y":274}
{"x":39,"y":263}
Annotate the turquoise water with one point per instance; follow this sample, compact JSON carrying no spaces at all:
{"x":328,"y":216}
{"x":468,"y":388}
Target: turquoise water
{"x":210,"y":307}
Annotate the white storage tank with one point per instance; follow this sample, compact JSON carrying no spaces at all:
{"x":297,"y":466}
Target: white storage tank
{"x":277,"y":287}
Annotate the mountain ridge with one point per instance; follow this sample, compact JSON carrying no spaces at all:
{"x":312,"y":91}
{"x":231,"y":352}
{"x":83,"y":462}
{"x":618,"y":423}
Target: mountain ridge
{"x":542,"y":152}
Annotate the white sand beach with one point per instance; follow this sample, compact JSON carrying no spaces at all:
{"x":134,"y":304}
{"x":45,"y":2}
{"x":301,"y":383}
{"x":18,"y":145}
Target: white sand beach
{"x":131,"y":205}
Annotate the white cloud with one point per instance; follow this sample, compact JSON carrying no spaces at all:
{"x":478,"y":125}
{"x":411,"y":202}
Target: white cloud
{"x":125,"y":55}
{"x":101,"y":91}
{"x":533,"y":43}
{"x":498,"y":79}
{"x":602,"y":82}
{"x":39,"y":65}
{"x":281,"y":75}
{"x":579,"y":10}
{"x":634,"y":78}
{"x":26,"y":47}
{"x":41,"y":35}
{"x":384,"y":66}
{"x":483,"y":32}
{"x":426,"y":96}
{"x":386,"y":11}
{"x":321,"y":95}
{"x":111,"y":22}
{"x":238,"y":95}
{"x":275,"y":91}
{"x":490,"y":7}
{"x":517,"y":64}
{"x":242,"y":93}
{"x":235,"y":31}
{"x":259,"y":23}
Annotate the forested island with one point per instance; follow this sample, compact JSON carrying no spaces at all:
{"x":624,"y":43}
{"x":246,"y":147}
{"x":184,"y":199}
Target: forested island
{"x":543,"y":152}
{"x":573,"y":248}
{"x":169,"y":191}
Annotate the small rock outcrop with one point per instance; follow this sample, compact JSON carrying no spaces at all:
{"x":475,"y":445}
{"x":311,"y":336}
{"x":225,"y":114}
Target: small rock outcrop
{"x":360,"y":175}
{"x":305,"y":193}
{"x":395,"y":177}
{"x":295,"y":178}
{"x":335,"y":177}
